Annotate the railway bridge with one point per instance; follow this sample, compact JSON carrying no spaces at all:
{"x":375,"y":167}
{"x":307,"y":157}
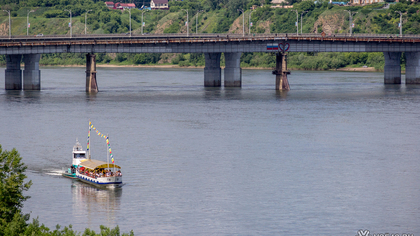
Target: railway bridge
{"x":29,"y":49}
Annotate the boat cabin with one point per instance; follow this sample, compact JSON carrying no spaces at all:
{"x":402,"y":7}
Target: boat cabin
{"x":78,"y":154}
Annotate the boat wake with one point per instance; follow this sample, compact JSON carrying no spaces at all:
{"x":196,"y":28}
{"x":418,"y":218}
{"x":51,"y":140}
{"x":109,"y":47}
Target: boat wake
{"x":54,"y":172}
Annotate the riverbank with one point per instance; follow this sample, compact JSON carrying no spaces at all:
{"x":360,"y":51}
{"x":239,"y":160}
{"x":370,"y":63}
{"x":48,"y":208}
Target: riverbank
{"x":356,"y":69}
{"x":359,"y":69}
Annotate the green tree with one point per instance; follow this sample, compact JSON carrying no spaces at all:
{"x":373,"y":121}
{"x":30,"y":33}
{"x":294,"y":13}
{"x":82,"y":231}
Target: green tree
{"x":12,"y":186}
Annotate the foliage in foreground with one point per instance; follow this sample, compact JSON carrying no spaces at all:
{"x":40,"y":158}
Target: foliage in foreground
{"x":12,"y":221}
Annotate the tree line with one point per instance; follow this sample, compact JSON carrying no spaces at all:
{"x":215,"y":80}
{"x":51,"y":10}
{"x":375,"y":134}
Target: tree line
{"x":215,"y":16}
{"x":13,"y":222}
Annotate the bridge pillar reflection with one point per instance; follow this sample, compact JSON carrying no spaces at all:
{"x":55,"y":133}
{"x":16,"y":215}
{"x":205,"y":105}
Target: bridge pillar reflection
{"x":281,"y":72}
{"x":13,"y":73}
{"x":392,"y":68}
{"x":91,"y":84}
{"x":412,"y":68}
{"x":233,"y":71}
{"x":212,"y":71}
{"x":31,"y":74}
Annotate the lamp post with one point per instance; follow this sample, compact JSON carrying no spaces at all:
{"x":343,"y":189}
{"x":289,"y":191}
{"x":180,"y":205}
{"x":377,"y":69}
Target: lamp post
{"x":187,"y":20}
{"x":129,"y":13}
{"x":196,"y":20}
{"x":86,"y":18}
{"x":70,"y":22}
{"x":250,"y":21}
{"x":400,"y":22}
{"x":142,"y":23}
{"x":351,"y":19}
{"x":243,"y":22}
{"x":301,"y":21}
{"x":27,"y":22}
{"x":10,"y":28}
{"x":297,"y":22}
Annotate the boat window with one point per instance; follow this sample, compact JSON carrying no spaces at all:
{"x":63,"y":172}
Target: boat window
{"x":79,"y":155}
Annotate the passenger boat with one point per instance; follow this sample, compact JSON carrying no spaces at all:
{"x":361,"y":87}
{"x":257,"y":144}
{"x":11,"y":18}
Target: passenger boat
{"x":99,"y":173}
{"x":77,"y":156}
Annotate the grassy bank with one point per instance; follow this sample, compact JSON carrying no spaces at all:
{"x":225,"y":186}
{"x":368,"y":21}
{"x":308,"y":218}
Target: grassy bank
{"x":298,"y":61}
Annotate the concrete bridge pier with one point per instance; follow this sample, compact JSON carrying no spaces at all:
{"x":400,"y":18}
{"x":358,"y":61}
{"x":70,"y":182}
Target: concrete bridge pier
{"x":31,"y":74}
{"x":281,"y":72}
{"x":91,"y":84}
{"x":233,"y":71}
{"x":212,"y":71}
{"x":412,"y":68}
{"x":13,"y":73}
{"x":392,"y":68}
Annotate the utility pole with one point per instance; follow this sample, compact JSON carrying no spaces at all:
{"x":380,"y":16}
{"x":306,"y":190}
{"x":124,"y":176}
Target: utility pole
{"x":142,"y":23}
{"x":400,"y":26}
{"x":70,"y":22}
{"x":297,"y":22}
{"x":86,"y":18}
{"x":187,"y":21}
{"x":243,"y":22}
{"x":301,"y":21}
{"x":196,"y":21}
{"x":27,"y":22}
{"x":351,"y":19}
{"x":129,"y":13}
{"x":10,"y":28}
{"x":250,"y":21}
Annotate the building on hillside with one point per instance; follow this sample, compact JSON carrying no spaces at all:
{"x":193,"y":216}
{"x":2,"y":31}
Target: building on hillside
{"x":280,"y":4}
{"x":123,"y":6}
{"x":278,"y":1}
{"x":363,"y":2}
{"x":110,"y":5}
{"x":120,"y":6}
{"x":159,"y":4}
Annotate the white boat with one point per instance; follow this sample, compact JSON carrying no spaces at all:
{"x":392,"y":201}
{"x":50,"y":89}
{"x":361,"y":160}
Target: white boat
{"x":99,"y":173}
{"x":77,"y":156}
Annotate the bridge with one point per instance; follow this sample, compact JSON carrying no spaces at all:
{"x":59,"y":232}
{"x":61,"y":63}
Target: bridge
{"x":212,"y":45}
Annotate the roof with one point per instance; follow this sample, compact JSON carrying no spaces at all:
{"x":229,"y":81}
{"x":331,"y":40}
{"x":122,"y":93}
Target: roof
{"x":109,"y":3}
{"x":127,"y":5}
{"x":94,"y":164}
{"x":160,"y":1}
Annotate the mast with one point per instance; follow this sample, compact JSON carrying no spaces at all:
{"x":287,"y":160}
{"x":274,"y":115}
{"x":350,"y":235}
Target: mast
{"x":88,"y":147}
{"x":107,"y":151}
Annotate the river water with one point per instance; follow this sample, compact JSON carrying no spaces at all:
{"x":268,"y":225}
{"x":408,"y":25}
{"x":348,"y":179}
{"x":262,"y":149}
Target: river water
{"x":336,"y":154}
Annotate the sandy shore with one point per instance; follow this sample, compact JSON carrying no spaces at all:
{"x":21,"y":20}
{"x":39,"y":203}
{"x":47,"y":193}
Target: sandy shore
{"x":365,"y":69}
{"x":152,"y":66}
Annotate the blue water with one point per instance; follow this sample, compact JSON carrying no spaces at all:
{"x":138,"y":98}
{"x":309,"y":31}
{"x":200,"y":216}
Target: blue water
{"x":336,"y":154}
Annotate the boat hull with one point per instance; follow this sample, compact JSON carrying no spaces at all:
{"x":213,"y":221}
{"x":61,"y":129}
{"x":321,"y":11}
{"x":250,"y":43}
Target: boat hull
{"x":70,"y":176}
{"x":102,"y":182}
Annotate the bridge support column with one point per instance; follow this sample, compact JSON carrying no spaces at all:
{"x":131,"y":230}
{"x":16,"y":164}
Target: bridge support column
{"x":281,"y":72}
{"x":412,"y":68}
{"x":233,"y":71}
{"x":212,"y":71}
{"x":13,"y":73}
{"x":91,"y":84}
{"x":31,"y":74}
{"x":392,"y":68}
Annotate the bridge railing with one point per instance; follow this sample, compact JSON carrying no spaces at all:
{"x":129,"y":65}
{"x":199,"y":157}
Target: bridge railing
{"x":213,"y":35}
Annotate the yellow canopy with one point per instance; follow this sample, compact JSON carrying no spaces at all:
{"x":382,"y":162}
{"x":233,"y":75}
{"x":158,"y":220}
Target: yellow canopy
{"x":95,"y":164}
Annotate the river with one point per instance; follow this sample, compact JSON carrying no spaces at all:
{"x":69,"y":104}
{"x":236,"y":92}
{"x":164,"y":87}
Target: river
{"x":337,"y":154}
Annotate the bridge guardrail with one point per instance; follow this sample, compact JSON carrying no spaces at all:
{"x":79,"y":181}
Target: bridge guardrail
{"x":195,"y":36}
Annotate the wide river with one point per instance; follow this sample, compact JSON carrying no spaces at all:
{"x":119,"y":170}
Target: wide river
{"x":338,"y":153}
